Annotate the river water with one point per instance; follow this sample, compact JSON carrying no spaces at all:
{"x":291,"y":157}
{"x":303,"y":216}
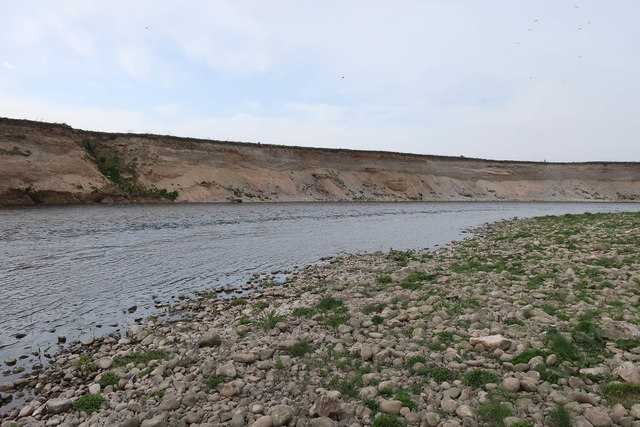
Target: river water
{"x":74,"y":270}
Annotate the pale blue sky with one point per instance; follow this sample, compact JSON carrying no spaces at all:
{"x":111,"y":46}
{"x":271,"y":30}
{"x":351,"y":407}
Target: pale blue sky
{"x":525,"y":80}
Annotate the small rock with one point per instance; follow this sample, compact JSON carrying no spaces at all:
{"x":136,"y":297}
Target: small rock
{"x":449,"y":405}
{"x":103,"y":363}
{"x":244,"y":357}
{"x":263,"y":421}
{"x":492,"y":341}
{"x":325,"y":406}
{"x":62,"y":339}
{"x":366,"y":352}
{"x":58,"y":406}
{"x":323,"y":422}
{"x":131,"y":422}
{"x":281,"y":415}
{"x":391,"y":406}
{"x":237,"y":420}
{"x":192,"y":418}
{"x":635,"y":411}
{"x":209,"y":339}
{"x":597,"y":418}
{"x":432,"y":419}
{"x":94,"y":388}
{"x":228,"y":370}
{"x":228,"y":391}
{"x":628,"y":371}
{"x":464,"y":411}
{"x":10,"y":361}
{"x":159,"y":420}
{"x":511,"y":384}
{"x":581,"y":397}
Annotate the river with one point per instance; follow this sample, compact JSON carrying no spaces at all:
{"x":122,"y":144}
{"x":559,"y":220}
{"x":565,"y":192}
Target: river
{"x":75,"y":270}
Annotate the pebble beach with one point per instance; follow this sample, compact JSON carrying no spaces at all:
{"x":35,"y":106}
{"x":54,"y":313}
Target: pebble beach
{"x":530,"y":322}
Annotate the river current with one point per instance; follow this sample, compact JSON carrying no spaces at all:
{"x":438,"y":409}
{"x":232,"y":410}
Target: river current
{"x":75,"y":270}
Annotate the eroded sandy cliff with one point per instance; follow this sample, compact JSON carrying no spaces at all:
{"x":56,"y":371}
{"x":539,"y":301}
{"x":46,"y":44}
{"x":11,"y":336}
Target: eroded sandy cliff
{"x":53,"y":163}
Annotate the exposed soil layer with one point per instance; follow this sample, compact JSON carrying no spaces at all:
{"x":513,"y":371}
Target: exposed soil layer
{"x":54,"y":163}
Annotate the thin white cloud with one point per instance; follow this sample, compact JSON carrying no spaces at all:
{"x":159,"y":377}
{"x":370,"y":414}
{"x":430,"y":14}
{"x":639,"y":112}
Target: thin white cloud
{"x":135,"y":61}
{"x":170,"y":109}
{"x":8,"y":65}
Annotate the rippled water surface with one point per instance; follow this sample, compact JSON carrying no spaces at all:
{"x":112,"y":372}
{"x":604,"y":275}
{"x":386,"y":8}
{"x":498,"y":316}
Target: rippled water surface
{"x":74,"y":270}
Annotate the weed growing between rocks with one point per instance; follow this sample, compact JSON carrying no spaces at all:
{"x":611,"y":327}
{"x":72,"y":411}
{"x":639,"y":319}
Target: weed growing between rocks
{"x":88,"y":403}
{"x":108,"y":378}
{"x":559,"y":417}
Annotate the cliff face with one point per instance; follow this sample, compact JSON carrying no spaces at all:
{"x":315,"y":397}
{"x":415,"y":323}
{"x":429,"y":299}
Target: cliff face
{"x":52,"y":163}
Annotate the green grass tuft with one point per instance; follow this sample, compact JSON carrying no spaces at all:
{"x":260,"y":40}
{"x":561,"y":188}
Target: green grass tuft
{"x":476,"y":378}
{"x":559,"y":417}
{"x":299,"y":349}
{"x":89,"y":403}
{"x":211,"y":382}
{"x":107,"y":379}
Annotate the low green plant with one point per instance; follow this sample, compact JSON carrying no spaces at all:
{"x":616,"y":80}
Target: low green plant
{"x":477,"y":378}
{"x":303,"y":312}
{"x":559,"y":417}
{"x":562,"y":347}
{"x":401,"y":258}
{"x":140,"y":357}
{"x":329,"y":303}
{"x":438,"y":374}
{"x":238,"y":301}
{"x":336,"y":319}
{"x":107,"y":379}
{"x":522,"y":423}
{"x":385,"y":392}
{"x":493,"y":413}
{"x":388,"y":421}
{"x":346,"y":387}
{"x":145,"y":371}
{"x":259,"y":306}
{"x":413,"y":360}
{"x":403,"y":396}
{"x":300,"y":348}
{"x":419,"y":276}
{"x":624,"y":393}
{"x":383,"y":280}
{"x":84,"y":362}
{"x":373,"y":308}
{"x":528,"y":354}
{"x":211,"y":382}
{"x":270,"y":320}
{"x":513,"y":321}
{"x":377,"y":320}
{"x":88,"y":403}
{"x":152,"y":395}
{"x":628,"y":344}
{"x":372,"y":404}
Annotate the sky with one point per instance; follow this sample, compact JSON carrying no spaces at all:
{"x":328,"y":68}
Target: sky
{"x":543,"y":80}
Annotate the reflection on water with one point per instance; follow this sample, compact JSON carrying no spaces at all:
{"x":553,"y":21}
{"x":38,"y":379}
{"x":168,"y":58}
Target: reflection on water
{"x":74,"y":270}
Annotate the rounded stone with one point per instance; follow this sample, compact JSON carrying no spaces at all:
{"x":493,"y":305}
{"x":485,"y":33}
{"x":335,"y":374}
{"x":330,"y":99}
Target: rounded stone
{"x":511,"y":384}
{"x":391,"y":406}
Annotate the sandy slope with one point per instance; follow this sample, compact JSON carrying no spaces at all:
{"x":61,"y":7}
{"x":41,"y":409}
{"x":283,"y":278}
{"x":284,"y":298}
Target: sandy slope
{"x":49,"y":163}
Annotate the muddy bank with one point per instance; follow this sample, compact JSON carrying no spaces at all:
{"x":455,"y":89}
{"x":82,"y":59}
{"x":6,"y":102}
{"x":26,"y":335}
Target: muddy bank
{"x":531,"y":322}
{"x":44,"y":163}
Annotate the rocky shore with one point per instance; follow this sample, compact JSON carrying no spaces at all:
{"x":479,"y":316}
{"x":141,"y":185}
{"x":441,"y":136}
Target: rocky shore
{"x":530,"y":322}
